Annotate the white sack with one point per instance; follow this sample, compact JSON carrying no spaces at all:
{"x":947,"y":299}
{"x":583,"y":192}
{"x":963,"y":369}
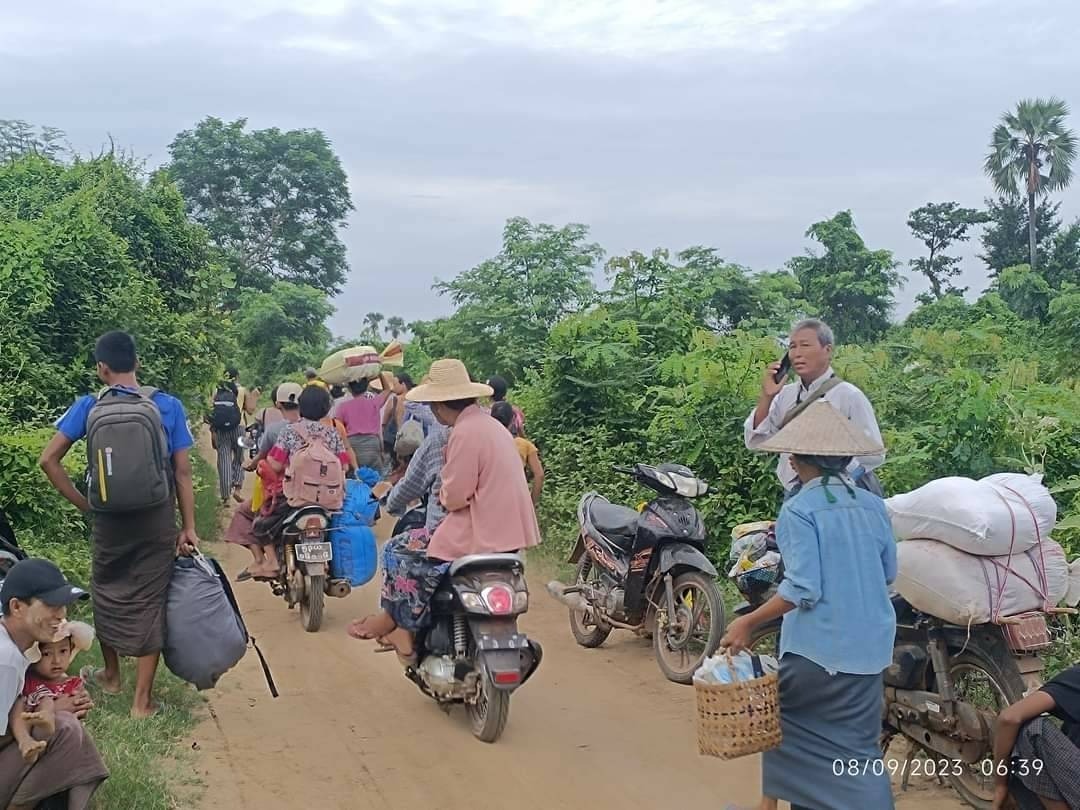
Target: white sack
{"x":999,"y":514}
{"x":964,"y":588}
{"x":350,"y":365}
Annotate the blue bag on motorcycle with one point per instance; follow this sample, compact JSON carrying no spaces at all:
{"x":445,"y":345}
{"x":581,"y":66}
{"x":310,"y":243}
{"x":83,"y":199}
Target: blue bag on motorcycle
{"x":352,"y":540}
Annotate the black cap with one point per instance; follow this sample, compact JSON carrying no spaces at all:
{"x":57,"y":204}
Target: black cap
{"x":39,"y":579}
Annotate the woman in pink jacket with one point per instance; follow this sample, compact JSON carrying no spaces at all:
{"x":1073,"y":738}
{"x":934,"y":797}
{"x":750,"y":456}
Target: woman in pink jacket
{"x":489,"y":509}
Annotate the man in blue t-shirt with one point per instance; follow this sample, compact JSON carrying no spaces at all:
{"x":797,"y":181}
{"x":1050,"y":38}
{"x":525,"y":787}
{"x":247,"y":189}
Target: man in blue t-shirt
{"x":133,"y":552}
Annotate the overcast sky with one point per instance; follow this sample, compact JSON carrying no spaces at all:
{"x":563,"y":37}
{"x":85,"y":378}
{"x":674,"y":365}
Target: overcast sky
{"x":729,"y":123}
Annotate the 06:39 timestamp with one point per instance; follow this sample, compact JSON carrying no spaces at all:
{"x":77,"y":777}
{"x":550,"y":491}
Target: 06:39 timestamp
{"x":1016,"y":767}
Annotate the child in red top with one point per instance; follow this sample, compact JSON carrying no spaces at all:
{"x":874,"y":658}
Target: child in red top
{"x":48,"y":677}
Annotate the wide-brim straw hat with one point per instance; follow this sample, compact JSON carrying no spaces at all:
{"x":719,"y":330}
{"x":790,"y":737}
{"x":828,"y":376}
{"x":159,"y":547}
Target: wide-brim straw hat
{"x":448,"y":380}
{"x":821,"y":430}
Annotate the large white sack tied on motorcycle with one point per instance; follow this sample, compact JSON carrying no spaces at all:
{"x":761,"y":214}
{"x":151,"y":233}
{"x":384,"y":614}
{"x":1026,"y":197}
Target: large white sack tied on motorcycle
{"x":967,"y":589}
{"x":350,"y":365}
{"x":1001,"y":513}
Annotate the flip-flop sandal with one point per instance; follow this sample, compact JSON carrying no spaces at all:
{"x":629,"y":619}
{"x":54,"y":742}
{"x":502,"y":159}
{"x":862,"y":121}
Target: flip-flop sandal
{"x":89,"y":677}
{"x":244,"y":576}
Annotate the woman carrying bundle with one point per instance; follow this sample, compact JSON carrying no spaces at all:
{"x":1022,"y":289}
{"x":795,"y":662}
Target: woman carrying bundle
{"x":838,"y":623}
{"x":362,"y":417}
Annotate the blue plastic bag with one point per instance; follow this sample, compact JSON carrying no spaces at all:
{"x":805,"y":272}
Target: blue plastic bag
{"x":355,"y":556}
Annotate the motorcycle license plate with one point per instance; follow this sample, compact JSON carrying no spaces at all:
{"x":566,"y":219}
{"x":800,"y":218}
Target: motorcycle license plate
{"x":314,"y":552}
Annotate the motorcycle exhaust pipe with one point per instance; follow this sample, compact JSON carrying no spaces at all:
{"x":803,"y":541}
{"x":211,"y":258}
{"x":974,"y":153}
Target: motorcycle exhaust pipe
{"x":338,"y":588}
{"x":572,"y":600}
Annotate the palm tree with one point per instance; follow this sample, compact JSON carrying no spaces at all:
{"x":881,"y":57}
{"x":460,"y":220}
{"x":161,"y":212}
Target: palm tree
{"x":1032,"y":147}
{"x":396,"y":325}
{"x":373,"y":322}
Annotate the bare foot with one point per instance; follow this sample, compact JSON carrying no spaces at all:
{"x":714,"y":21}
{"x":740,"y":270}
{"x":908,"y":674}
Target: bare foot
{"x":143,"y":712}
{"x":238,"y":496}
{"x":373,"y":626}
{"x":32,"y":750}
{"x":96,"y":677}
{"x":46,"y":721}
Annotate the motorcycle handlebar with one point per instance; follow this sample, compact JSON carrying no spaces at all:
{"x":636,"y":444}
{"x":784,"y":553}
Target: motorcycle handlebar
{"x":619,"y":468}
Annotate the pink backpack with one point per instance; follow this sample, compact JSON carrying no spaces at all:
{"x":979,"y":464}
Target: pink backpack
{"x":314,"y":475}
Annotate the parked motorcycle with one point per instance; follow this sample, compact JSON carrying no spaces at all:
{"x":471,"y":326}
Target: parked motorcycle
{"x":945,"y":687}
{"x":305,"y":577}
{"x":647,"y":572}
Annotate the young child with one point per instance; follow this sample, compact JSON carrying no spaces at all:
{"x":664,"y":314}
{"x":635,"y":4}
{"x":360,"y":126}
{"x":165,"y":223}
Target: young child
{"x":48,"y":679}
{"x":503,"y":412}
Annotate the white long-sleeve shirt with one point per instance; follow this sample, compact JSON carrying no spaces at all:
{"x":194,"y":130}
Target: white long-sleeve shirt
{"x":845,"y":397}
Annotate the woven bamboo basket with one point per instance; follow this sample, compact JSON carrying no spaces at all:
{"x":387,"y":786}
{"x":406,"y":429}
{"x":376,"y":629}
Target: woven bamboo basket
{"x":738,"y":719}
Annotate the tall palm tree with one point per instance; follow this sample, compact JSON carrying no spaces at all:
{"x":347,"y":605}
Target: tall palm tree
{"x":396,"y":325}
{"x":373,"y":321}
{"x":1034,"y":150}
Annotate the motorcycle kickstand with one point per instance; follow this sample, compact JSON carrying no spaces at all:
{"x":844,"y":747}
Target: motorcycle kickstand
{"x":912,"y":751}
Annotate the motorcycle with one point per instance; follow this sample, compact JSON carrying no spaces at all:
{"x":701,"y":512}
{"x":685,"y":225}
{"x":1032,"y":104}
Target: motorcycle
{"x":249,"y":439}
{"x":945,"y":687}
{"x":473,"y":653}
{"x":647,"y":572}
{"x":304,"y":579}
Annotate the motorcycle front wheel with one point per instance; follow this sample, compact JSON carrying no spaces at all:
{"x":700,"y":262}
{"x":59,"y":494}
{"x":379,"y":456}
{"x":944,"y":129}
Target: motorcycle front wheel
{"x":694,"y":632}
{"x":311,"y":606}
{"x":488,"y":715}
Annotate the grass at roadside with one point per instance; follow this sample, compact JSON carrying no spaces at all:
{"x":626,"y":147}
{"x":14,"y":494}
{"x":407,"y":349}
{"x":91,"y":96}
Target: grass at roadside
{"x":139,"y":752}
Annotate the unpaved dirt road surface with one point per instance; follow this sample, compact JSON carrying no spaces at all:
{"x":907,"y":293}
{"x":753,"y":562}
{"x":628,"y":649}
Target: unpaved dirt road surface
{"x":593,"y":728}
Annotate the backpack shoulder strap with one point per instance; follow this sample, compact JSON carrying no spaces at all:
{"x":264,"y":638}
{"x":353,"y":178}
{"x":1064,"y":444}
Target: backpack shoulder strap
{"x":825,"y":388}
{"x":148,"y":391}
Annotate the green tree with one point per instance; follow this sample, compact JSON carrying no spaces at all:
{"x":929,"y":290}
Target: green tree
{"x":1005,"y":239}
{"x":507,"y":304}
{"x":272,"y":201}
{"x":373,"y":325}
{"x":19,"y":138}
{"x":395,"y":324}
{"x":849,"y":285}
{"x":938,"y":226}
{"x":282,"y":330}
{"x":1026,"y":292}
{"x":1062,"y":264}
{"x":1031,"y":153}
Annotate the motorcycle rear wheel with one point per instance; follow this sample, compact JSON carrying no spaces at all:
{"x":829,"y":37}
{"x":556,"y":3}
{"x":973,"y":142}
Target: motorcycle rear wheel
{"x":587,"y":632}
{"x":311,"y":606}
{"x":1001,"y":685}
{"x":679,"y":664}
{"x":489,"y":714}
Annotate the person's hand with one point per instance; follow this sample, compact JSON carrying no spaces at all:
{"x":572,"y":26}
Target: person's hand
{"x":187,"y":543}
{"x":1001,"y":797}
{"x":737,"y":637}
{"x":78,"y":704}
{"x":769,"y":386}
{"x":250,"y":466}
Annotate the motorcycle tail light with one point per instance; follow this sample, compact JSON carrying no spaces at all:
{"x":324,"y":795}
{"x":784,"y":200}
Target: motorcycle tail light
{"x":505,"y":678}
{"x":499,"y":599}
{"x":472,"y":601}
{"x":314,"y":522}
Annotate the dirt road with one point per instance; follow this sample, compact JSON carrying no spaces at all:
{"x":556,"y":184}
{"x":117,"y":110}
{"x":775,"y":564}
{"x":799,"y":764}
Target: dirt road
{"x":594,"y":727}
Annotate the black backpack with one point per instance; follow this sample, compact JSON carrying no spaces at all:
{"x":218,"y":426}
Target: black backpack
{"x":225,"y":417}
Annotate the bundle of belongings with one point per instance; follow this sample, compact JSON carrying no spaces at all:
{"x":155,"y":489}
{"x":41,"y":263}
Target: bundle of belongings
{"x":359,"y":363}
{"x":754,"y":560}
{"x":974,"y":552}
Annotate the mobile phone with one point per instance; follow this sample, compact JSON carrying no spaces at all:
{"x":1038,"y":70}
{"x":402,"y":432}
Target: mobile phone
{"x":785,"y":368}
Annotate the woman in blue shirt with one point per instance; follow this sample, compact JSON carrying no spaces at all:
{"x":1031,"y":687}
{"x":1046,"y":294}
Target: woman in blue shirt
{"x":838,"y":623}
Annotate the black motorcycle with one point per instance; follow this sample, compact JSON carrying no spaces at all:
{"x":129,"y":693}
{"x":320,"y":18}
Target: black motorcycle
{"x":647,"y":572}
{"x":473,"y":652}
{"x":945,"y":688}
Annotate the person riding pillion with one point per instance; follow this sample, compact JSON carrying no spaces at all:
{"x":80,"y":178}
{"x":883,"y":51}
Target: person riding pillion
{"x":810,"y":352}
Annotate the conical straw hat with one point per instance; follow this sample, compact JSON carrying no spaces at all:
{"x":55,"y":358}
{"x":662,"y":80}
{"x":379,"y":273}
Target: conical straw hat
{"x":821,"y":430}
{"x":448,"y":380}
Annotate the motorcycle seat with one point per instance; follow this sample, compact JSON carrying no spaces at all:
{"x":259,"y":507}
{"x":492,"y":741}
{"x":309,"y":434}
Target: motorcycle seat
{"x":488,"y":561}
{"x":294,"y":517}
{"x":612,"y":520}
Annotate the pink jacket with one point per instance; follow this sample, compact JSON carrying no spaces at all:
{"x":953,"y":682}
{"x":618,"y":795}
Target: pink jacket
{"x":484,"y":491}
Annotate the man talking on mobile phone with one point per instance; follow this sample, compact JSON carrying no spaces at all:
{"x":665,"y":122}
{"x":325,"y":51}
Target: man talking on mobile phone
{"x":810,"y":357}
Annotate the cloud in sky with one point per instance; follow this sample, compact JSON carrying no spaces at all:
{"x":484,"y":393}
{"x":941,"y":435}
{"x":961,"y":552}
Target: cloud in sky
{"x":656,"y":122}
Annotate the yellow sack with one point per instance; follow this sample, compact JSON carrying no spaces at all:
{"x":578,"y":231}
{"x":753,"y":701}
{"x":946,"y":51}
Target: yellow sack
{"x":257,"y":496}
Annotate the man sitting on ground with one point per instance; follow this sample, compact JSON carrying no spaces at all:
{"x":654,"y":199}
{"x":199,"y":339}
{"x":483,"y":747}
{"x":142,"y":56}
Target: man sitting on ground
{"x":35,"y":597}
